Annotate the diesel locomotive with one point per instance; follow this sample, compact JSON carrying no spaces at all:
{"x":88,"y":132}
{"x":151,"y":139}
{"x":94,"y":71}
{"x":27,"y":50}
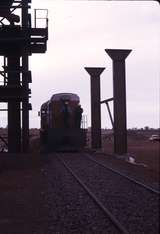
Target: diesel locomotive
{"x":61,"y":123}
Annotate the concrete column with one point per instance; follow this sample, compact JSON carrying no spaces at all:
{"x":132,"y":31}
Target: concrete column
{"x":119,"y":93}
{"x":95,"y":73}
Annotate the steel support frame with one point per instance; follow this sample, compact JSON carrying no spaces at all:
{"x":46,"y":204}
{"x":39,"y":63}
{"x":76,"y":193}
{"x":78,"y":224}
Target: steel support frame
{"x":25,"y":68}
{"x":19,"y":41}
{"x":18,"y":67}
{"x":108,"y":108}
{"x":14,"y":113}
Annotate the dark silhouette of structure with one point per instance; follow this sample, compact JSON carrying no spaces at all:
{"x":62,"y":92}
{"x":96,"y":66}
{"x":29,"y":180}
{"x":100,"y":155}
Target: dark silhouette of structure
{"x":78,"y":116}
{"x":95,"y":73}
{"x":5,"y":11}
{"x":119,"y":91}
{"x":17,"y":43}
{"x":66,"y":114}
{"x":119,"y":102}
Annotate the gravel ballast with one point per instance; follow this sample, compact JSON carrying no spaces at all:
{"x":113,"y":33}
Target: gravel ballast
{"x":133,"y":206}
{"x":38,"y":195}
{"x":71,"y":210}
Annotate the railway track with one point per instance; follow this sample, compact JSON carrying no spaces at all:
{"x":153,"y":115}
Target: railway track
{"x":118,"y":225}
{"x":70,"y":207}
{"x":132,"y":206}
{"x":123,"y":175}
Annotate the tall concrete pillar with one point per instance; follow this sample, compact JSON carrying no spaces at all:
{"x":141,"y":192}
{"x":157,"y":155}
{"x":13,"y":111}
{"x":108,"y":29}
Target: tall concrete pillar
{"x":119,"y":93}
{"x":95,"y":73}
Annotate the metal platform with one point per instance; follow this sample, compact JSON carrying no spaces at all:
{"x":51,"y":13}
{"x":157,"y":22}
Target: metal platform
{"x":13,"y":38}
{"x":11,"y":93}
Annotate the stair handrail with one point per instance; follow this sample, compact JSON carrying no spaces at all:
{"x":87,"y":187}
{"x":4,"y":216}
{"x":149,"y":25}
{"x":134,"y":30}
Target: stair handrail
{"x":43,"y":18}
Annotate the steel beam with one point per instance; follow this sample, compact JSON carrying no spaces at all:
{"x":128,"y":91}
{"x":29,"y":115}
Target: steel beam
{"x":108,"y":108}
{"x":119,"y":93}
{"x":11,"y":93}
{"x":110,"y":115}
{"x":14,"y":115}
{"x":95,"y":73}
{"x":25,"y":67}
{"x":107,"y":100}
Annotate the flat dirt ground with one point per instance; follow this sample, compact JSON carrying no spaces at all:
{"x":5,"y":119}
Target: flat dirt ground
{"x":143,"y":150}
{"x":22,"y":181}
{"x":146,"y":154}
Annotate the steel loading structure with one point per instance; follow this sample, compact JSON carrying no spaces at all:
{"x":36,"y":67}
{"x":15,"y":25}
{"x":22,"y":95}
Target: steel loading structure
{"x":19,"y":40}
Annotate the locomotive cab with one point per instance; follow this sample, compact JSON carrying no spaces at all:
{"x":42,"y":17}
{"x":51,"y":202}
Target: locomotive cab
{"x":61,"y":123}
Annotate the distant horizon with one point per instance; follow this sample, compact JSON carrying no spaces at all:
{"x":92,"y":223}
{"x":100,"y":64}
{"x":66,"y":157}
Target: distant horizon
{"x":134,"y":128}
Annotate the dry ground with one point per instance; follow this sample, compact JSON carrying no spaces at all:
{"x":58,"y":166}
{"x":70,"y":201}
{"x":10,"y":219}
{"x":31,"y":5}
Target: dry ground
{"x":145,"y":152}
{"x":22,"y":183}
{"x":139,"y":146}
{"x":146,"y":155}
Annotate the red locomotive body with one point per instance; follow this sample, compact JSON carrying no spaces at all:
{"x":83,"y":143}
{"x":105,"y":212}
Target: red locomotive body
{"x":61,"y":123}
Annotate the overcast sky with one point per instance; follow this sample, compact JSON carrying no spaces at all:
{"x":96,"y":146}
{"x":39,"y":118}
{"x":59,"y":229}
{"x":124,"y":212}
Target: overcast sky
{"x":79,"y":32}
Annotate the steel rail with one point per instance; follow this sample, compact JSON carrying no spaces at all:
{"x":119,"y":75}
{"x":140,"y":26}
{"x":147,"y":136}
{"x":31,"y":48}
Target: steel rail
{"x":123,"y":175}
{"x":118,"y":225}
